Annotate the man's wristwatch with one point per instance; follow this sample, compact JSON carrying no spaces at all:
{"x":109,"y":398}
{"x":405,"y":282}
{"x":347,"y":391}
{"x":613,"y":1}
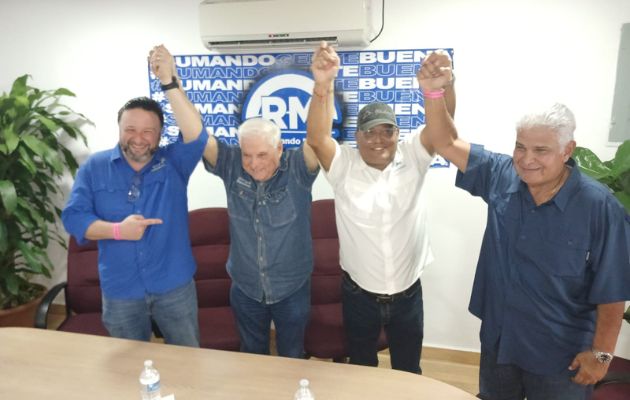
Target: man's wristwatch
{"x":602,"y":356}
{"x":172,"y":85}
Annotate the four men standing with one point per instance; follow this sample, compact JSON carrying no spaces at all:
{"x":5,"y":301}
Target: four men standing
{"x":552,"y":275}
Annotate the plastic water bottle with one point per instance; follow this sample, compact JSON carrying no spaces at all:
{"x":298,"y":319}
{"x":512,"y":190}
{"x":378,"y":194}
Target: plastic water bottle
{"x":304,"y":392}
{"x":150,"y":382}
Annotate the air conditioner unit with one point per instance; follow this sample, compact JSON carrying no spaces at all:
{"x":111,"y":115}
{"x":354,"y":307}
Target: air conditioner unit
{"x":260,"y":24}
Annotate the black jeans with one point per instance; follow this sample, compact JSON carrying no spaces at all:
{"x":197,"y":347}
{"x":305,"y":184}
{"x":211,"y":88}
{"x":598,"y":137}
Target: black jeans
{"x":401,"y":316}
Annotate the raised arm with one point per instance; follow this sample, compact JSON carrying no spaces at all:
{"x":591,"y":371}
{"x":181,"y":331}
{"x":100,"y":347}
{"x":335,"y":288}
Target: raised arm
{"x":439,"y":134}
{"x":187,"y":116}
{"x":321,"y":111}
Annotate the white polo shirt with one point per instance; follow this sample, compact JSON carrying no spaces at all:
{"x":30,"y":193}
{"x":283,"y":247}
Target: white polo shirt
{"x":381,"y":218}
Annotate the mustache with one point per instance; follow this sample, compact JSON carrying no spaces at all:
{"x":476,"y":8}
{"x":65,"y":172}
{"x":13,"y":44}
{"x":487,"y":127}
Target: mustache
{"x":126,"y":148}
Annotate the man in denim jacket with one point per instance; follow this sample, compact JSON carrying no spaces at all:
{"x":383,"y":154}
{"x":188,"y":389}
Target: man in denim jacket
{"x":270,"y":262}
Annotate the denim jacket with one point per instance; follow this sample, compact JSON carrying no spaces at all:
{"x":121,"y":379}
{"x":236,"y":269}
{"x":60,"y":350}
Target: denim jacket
{"x":271,"y":252}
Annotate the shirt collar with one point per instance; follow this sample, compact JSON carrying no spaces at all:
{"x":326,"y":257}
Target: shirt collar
{"x":569,"y":187}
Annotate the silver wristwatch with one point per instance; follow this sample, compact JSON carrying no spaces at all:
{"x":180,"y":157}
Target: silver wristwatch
{"x":602,"y":356}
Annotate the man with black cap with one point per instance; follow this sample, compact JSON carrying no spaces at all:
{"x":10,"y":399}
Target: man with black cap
{"x":380,"y":216}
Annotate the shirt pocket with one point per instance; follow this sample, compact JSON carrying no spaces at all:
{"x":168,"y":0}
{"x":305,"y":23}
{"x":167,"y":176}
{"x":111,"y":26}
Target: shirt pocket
{"x":241,"y":203}
{"x":566,"y":253}
{"x":358,"y":199}
{"x":110,"y":201}
{"x":280,"y":208}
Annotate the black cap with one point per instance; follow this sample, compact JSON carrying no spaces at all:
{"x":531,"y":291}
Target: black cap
{"x":375,"y":114}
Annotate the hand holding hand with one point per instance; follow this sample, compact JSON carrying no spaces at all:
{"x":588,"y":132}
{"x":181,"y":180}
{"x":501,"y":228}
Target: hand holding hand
{"x":325,"y":64}
{"x":435,"y":72}
{"x":133,"y":227}
{"x":162,"y":64}
{"x":590,"y":371}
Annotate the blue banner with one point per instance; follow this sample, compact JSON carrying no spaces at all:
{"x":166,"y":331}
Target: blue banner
{"x":230,"y":88}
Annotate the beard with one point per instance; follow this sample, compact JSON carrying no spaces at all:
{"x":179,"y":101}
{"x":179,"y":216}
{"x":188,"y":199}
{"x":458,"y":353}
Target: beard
{"x":138,"y":158}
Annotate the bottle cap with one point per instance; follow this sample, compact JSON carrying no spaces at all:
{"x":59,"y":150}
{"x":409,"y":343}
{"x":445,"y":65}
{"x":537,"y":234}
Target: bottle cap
{"x":148,"y":363}
{"x":303,"y":382}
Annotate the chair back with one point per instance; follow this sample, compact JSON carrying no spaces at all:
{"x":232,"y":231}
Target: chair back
{"x":210,"y":240}
{"x":326,"y":278}
{"x":83,"y":293}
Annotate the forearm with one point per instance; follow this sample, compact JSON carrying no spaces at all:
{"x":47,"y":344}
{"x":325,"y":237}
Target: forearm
{"x":450,"y":98}
{"x":320,"y":114}
{"x":100,"y":230}
{"x":440,"y":128}
{"x":187,"y":116}
{"x":608,"y":325}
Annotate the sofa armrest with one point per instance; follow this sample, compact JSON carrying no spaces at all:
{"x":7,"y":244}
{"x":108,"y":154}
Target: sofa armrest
{"x":41,"y":314}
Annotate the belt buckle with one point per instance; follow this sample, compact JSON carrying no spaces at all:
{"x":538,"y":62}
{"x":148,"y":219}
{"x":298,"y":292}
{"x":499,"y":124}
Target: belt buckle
{"x":384,"y":298}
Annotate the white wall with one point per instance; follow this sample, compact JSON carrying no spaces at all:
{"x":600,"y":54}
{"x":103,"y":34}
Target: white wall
{"x":507,"y":54}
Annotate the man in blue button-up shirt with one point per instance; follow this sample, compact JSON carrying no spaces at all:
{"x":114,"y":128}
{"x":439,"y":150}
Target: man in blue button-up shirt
{"x":132,"y":199}
{"x":270,"y":262}
{"x":554,"y":272}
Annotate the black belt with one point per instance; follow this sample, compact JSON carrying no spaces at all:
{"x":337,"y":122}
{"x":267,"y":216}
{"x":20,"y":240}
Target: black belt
{"x":383,"y":298}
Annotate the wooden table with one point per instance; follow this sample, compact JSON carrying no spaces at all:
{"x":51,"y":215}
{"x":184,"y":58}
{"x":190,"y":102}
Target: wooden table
{"x":46,"y":364}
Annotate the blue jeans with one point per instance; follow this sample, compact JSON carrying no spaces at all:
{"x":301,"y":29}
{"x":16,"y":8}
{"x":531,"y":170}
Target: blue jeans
{"x":174,"y":312}
{"x":289,"y":317}
{"x":402,"y":319}
{"x":509,"y":382}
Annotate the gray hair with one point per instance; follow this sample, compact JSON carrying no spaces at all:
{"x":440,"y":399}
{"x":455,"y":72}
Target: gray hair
{"x":262,"y":128}
{"x":558,"y":118}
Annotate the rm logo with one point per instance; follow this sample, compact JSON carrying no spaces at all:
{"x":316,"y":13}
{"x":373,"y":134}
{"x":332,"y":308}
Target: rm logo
{"x":284,"y":97}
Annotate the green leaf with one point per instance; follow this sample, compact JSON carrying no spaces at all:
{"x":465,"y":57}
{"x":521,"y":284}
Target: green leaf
{"x":31,"y":257}
{"x":13,"y":284}
{"x":621,"y":162}
{"x":48,"y":123}
{"x":590,"y":164}
{"x":11,"y":138}
{"x":19,"y":87}
{"x":35,"y":144}
{"x":4,"y":240}
{"x":9,"y":196}
{"x":63,"y":92}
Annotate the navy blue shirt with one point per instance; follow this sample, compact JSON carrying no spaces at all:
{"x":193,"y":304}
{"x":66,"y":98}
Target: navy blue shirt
{"x":271,"y":254}
{"x":543,"y":269}
{"x":162,"y":260}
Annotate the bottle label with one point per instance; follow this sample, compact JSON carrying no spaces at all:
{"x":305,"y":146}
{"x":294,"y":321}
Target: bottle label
{"x":153,"y":387}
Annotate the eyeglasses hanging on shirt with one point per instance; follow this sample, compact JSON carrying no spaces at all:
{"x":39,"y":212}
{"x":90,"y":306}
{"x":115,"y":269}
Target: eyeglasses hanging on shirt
{"x":134,"y":190}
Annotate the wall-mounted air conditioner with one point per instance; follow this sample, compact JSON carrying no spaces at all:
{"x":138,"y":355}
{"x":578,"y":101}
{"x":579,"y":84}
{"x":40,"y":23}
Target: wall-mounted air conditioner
{"x":260,"y":24}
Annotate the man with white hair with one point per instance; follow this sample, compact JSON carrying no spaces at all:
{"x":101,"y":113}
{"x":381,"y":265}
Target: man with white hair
{"x":270,"y":262}
{"x":554,"y":270}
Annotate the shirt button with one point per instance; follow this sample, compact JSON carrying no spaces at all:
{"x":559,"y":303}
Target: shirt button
{"x":257,"y":220}
{"x":523,"y":237}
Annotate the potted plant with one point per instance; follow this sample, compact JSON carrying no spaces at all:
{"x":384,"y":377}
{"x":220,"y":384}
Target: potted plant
{"x":613,"y":173}
{"x":33,"y":127}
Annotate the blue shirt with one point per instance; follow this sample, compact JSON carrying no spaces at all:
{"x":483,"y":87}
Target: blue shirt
{"x":162,"y":260}
{"x":543,"y":270}
{"x":271,"y":254}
